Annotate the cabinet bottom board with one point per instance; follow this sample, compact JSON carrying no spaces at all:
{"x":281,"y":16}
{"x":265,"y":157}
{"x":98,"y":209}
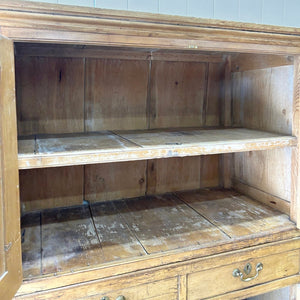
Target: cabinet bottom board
{"x":69,"y":239}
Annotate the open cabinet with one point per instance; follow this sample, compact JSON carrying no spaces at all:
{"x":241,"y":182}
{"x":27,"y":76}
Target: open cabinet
{"x":157,"y":156}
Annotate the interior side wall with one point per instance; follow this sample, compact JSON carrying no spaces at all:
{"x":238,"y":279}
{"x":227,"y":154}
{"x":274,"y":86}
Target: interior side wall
{"x":262,"y":96}
{"x":67,"y":90}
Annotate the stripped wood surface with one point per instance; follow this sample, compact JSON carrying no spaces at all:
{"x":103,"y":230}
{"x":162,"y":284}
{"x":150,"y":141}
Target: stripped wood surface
{"x":10,"y":236}
{"x":69,"y":240}
{"x":237,"y":215}
{"x":51,"y":187}
{"x":245,"y":62}
{"x":116,"y":239}
{"x":115,"y":94}
{"x":177,"y":94}
{"x":262,"y":108}
{"x":269,"y":171}
{"x":173,"y":174}
{"x":198,"y":282}
{"x":107,"y":232}
{"x":58,"y":109}
{"x":31,"y":244}
{"x":165,"y":223}
{"x":138,"y":145}
{"x":103,"y":182}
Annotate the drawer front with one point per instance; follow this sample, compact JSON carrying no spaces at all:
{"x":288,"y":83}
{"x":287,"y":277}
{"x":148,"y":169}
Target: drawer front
{"x":159,"y":290}
{"x":220,"y":280}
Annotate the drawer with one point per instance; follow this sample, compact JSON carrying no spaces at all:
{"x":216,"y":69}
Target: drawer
{"x":160,"y":290}
{"x":220,"y":280}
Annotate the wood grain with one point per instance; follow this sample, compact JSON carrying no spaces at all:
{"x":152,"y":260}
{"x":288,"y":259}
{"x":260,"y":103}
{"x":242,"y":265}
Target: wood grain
{"x":115,"y":94}
{"x":295,"y":167}
{"x":31,"y":245}
{"x":268,"y":108}
{"x":177,"y":94}
{"x":73,"y":230}
{"x":138,"y":145}
{"x":245,"y":62}
{"x":173,"y":174}
{"x":212,"y":105}
{"x":164,"y":223}
{"x":117,"y":240}
{"x":112,"y":181}
{"x":198,"y":282}
{"x":9,"y":185}
{"x":42,"y":109}
{"x":209,"y":171}
{"x":51,"y":187}
{"x":235,"y":214}
{"x":269,"y":171}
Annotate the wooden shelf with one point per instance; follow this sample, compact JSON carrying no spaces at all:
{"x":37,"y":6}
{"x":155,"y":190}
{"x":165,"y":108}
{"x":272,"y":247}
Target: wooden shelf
{"x":102,"y":147}
{"x":128,"y":229}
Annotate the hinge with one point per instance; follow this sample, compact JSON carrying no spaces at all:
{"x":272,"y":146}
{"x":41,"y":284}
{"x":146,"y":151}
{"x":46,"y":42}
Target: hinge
{"x":7,"y":247}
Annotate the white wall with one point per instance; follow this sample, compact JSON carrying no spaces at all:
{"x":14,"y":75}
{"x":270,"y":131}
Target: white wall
{"x":275,"y":12}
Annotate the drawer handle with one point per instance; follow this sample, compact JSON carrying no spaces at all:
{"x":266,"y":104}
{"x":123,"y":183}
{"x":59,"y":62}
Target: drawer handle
{"x":238,"y":273}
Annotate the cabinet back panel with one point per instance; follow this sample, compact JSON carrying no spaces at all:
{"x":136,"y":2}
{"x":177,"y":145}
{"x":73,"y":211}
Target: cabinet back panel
{"x":51,"y":187}
{"x":68,"y":186}
{"x":115,"y":94}
{"x":50,"y":96}
{"x":112,"y":181}
{"x":177,"y":94}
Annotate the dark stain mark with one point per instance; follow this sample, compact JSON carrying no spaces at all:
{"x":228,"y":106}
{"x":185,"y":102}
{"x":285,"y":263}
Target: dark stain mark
{"x":273,"y":202}
{"x":176,"y":82}
{"x":60,"y":73}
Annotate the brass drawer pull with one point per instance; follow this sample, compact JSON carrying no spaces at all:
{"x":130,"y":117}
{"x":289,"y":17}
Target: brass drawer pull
{"x":247,"y":270}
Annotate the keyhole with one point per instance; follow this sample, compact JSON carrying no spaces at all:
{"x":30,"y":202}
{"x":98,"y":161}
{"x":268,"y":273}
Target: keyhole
{"x":247,"y":269}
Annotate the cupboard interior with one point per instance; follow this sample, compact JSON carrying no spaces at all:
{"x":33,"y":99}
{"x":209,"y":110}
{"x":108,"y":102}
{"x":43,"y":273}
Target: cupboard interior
{"x":76,"y":102}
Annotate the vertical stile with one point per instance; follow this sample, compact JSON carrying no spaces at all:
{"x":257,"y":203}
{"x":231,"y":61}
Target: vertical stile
{"x":295,"y":182}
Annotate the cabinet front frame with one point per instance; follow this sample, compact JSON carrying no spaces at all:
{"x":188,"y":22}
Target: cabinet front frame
{"x":28,"y":22}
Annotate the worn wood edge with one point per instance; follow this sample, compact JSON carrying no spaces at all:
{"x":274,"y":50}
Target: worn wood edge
{"x":261,"y":196}
{"x":244,"y":62}
{"x":295,"y":163}
{"x":260,"y":288}
{"x":20,"y":34}
{"x":128,"y":15}
{"x":46,"y":50}
{"x":237,"y":249}
{"x":28,"y":161}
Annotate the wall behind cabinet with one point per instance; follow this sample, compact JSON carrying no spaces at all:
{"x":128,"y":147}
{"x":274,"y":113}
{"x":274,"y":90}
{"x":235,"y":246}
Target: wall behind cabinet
{"x":274,"y":12}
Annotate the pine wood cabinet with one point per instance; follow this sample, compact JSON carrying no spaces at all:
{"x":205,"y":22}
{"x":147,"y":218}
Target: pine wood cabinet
{"x":146,"y":156}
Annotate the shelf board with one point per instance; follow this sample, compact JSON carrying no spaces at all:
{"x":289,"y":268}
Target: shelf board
{"x":105,"y":146}
{"x":143,"y":228}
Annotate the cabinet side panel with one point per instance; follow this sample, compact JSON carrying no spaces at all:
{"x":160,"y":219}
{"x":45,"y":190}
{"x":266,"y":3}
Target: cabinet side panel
{"x":268,"y":171}
{"x":51,"y":187}
{"x":262,"y":99}
{"x":115,"y":94}
{"x":50,"y":95}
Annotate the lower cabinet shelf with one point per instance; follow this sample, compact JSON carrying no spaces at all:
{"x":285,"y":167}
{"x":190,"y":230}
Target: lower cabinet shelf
{"x":158,"y":246}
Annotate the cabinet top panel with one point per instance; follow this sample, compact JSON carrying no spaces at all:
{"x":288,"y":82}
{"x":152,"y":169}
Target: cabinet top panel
{"x":31,"y":22}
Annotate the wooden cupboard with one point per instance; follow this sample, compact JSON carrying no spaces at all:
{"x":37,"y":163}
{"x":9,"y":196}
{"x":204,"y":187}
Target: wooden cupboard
{"x":146,"y":156}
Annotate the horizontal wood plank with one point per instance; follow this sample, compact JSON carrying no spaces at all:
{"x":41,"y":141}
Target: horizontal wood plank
{"x":102,"y":147}
{"x":125,"y":231}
